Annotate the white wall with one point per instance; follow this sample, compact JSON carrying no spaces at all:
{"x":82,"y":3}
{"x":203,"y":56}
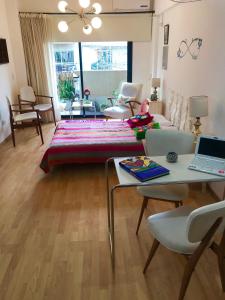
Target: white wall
{"x":162,"y":5}
{"x":8,"y":83}
{"x":16,"y":41}
{"x":103,"y":83}
{"x":187,"y":77}
{"x":142,"y":66}
{"x":135,"y":27}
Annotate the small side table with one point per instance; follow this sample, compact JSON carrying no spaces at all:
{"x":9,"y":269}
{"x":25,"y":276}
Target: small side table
{"x":82,"y":105}
{"x":156,"y":107}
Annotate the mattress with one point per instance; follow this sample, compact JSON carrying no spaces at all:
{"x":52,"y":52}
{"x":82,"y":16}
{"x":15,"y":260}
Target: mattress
{"x":90,"y":141}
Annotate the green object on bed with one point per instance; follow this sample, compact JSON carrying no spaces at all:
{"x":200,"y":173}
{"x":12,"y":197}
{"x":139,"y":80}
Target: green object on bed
{"x":140,"y":131}
{"x":156,"y":126}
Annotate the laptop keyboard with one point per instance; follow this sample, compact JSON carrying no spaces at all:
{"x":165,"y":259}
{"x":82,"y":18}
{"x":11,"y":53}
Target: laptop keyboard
{"x":209,"y":166}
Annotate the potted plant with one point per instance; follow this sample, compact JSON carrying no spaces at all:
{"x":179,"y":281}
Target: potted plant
{"x":66,"y":90}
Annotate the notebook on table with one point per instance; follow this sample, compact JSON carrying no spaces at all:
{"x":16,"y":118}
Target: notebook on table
{"x":209,"y":156}
{"x":143,"y":168}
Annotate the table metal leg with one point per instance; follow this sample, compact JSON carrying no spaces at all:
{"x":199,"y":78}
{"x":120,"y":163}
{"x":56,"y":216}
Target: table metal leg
{"x":95,"y":110}
{"x":111,"y":233}
{"x":110,"y":211}
{"x":107,"y":190}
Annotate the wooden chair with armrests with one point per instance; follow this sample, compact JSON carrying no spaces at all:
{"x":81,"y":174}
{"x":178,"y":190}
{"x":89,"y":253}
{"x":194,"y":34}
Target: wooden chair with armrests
{"x":21,"y":118}
{"x":126,"y":102}
{"x":189,"y":232}
{"x":28,"y":96}
{"x":159,"y":143}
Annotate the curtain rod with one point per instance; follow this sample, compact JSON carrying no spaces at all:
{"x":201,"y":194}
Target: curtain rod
{"x":104,"y":13}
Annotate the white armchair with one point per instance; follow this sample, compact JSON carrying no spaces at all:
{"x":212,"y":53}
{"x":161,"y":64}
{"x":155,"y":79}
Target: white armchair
{"x":129,"y":96}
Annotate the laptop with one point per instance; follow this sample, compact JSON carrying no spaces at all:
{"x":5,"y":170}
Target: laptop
{"x":209,"y":155}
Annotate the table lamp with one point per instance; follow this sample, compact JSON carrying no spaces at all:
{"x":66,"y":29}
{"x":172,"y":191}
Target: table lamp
{"x":155,"y":85}
{"x":198,"y":107}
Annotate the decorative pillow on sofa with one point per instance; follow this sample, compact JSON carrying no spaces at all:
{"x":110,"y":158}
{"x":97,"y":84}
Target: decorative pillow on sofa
{"x":140,"y":120}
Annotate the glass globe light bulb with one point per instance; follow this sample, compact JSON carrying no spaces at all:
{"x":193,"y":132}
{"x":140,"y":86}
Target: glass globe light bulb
{"x":84,"y":3}
{"x":87,"y":29}
{"x":97,"y":7}
{"x":63,"y":26}
{"x":62,"y":5}
{"x":96,"y":22}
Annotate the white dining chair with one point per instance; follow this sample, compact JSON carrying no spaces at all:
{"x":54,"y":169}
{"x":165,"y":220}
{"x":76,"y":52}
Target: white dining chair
{"x":159,"y":143}
{"x":189,"y":231}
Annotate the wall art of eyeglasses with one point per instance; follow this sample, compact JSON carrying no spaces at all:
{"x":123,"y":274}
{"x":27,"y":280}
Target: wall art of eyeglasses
{"x":193,"y":48}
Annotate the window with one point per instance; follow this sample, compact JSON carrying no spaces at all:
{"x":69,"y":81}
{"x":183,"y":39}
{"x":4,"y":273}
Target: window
{"x":104,"y":67}
{"x":108,"y":56}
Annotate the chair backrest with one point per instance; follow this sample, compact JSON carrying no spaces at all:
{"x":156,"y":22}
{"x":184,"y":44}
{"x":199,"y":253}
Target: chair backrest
{"x":27,"y":94}
{"x":10,"y":109}
{"x":129,"y":89}
{"x":160,"y":142}
{"x":201,"y":220}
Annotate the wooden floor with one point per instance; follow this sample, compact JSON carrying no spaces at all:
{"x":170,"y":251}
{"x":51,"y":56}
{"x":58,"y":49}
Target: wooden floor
{"x":53,"y":237}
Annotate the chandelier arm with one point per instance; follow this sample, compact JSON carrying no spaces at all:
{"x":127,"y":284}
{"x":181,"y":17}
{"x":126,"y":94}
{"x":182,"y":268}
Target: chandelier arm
{"x":71,"y":10}
{"x":84,"y":19}
{"x":71,"y":21}
{"x":91,"y":10}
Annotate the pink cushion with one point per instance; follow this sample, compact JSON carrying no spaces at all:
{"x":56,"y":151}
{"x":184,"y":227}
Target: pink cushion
{"x":140,"y":120}
{"x":144,"y":107}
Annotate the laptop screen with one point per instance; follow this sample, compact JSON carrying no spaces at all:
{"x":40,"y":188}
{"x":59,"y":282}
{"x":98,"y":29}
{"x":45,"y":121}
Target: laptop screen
{"x":212,"y":147}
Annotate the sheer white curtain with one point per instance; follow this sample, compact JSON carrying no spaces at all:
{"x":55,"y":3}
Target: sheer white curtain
{"x":36,"y":35}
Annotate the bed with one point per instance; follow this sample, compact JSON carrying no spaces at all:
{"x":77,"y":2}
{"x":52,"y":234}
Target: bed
{"x":90,"y":141}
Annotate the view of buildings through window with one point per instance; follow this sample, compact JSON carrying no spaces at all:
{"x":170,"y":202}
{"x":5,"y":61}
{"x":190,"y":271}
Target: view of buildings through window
{"x":111,"y":56}
{"x":104,"y":66}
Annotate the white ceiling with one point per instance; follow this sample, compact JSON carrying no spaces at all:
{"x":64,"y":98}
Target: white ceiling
{"x":51,"y":5}
{"x":162,"y":5}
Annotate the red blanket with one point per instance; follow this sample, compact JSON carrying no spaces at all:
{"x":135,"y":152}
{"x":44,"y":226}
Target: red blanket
{"x":90,"y":141}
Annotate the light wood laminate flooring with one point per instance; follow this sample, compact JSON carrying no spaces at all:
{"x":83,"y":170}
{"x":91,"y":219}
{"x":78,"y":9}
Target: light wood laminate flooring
{"x":54,"y":242}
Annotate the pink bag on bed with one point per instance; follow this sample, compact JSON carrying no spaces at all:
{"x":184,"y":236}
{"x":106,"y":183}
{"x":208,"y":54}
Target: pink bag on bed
{"x":144,"y":107}
{"x":140,"y":120}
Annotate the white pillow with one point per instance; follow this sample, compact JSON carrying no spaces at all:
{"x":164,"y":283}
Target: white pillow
{"x":161,"y":120}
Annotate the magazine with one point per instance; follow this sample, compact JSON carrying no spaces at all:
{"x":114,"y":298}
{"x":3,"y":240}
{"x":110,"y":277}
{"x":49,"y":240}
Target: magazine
{"x":143,"y":168}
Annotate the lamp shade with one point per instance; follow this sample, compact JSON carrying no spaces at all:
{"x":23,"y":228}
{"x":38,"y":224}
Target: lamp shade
{"x":198,"y":106}
{"x":156,"y":82}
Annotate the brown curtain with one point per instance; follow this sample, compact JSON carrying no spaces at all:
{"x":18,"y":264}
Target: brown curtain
{"x":36,"y":35}
{"x":34,"y":30}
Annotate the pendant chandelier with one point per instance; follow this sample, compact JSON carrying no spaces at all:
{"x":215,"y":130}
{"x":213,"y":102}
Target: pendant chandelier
{"x":86,"y":10}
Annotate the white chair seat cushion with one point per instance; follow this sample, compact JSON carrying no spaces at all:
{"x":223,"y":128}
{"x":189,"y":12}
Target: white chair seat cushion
{"x":117,"y":112}
{"x":172,"y":192}
{"x":170,"y":229}
{"x":43,"y":107}
{"x":25,"y":117}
